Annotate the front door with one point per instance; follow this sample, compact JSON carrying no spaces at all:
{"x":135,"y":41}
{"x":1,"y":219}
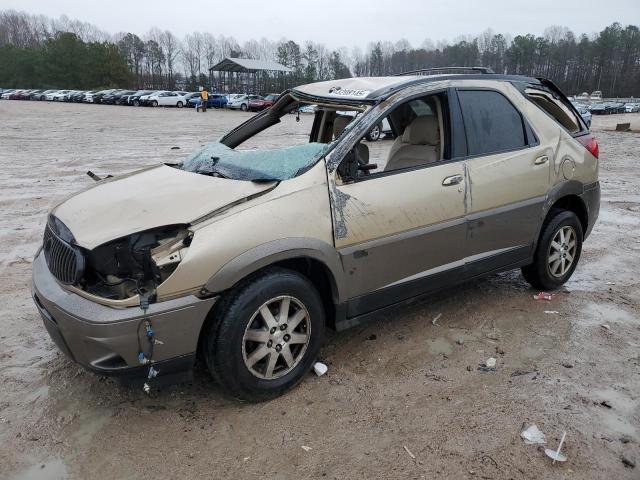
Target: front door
{"x":400,"y":228}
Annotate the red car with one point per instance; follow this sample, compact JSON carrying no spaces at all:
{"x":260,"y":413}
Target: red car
{"x":260,"y":103}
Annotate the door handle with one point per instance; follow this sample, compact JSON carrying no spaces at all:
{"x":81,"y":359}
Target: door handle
{"x":541,"y":160}
{"x":452,"y":180}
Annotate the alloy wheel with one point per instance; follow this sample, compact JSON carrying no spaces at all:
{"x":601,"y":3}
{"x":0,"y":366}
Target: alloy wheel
{"x":374,"y":134}
{"x":562,"y":251}
{"x":276,"y":337}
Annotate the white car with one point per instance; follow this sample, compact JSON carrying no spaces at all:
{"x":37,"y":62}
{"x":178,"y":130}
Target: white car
{"x":144,"y":99}
{"x":632,"y":107}
{"x":167,"y":99}
{"x":8,"y":93}
{"x":240,"y":101}
{"x":57,"y":96}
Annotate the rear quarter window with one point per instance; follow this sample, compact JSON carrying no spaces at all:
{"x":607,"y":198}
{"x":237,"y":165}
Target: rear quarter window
{"x":556,"y":108}
{"x":491,"y":122}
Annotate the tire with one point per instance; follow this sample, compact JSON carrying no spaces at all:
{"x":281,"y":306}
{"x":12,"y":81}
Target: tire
{"x":228,"y":352}
{"x":544,"y":273}
{"x":179,"y":104}
{"x":375,"y":133}
{"x":154,"y":103}
{"x":136,"y":103}
{"x":244,"y":107}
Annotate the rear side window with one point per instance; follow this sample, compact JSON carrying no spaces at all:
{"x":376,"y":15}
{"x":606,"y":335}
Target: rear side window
{"x":556,"y":108}
{"x":491,"y":122}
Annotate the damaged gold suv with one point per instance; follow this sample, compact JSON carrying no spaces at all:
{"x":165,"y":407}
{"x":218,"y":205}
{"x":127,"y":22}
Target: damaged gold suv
{"x":244,"y":257}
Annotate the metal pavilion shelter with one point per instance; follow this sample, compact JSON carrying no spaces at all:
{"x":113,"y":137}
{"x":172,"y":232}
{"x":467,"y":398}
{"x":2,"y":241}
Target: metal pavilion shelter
{"x":245,"y":75}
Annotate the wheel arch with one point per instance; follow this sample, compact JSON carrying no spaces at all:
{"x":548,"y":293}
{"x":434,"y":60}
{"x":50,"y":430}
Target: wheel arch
{"x":316,"y":260}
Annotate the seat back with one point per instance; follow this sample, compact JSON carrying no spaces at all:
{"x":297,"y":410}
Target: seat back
{"x":418,"y":145}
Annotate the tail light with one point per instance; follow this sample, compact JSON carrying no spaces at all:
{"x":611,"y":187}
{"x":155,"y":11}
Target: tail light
{"x":590,"y":143}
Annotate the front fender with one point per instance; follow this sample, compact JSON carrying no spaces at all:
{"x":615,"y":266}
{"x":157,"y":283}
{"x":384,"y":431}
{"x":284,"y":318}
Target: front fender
{"x":275,"y":251}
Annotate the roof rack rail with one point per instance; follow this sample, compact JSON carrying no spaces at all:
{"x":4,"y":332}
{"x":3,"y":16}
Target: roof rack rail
{"x":437,"y":70}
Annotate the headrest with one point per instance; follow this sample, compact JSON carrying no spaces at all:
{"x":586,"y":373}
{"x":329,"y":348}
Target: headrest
{"x":422,"y":131}
{"x":339,"y":124}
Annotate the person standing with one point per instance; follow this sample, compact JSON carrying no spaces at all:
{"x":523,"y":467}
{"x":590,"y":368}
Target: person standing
{"x":204,"y":98}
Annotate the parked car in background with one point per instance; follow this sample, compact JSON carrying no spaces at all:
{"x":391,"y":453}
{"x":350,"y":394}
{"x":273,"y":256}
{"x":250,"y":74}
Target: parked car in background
{"x":78,"y":97}
{"x":307,"y":108}
{"x":216,"y":100}
{"x":616,"y":107}
{"x":599,"y":109}
{"x":24,"y":95}
{"x":584,"y":96}
{"x":145,"y":99}
{"x":584,"y":113}
{"x":189,"y":96}
{"x":98,"y":96}
{"x":241,"y":102}
{"x":632,"y":107}
{"x":6,"y":92}
{"x":17,"y":94}
{"x":260,"y":103}
{"x":57,"y":96}
{"x":596,"y":96}
{"x":114,"y":97}
{"x":135,"y":98}
{"x":42,"y":95}
{"x":166,"y":99}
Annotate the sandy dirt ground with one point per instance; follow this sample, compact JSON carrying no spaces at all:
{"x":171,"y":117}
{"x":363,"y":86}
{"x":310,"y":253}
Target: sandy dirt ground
{"x":403,"y":397}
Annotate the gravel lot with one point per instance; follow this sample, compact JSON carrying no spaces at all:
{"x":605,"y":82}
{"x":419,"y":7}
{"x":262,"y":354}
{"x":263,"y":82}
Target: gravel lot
{"x":403,"y":397}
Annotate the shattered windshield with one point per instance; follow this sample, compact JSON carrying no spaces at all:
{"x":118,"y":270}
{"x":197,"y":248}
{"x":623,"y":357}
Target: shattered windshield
{"x":218,"y":160}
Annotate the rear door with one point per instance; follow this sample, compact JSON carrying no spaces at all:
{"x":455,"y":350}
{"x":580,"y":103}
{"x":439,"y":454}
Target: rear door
{"x":508,"y":172}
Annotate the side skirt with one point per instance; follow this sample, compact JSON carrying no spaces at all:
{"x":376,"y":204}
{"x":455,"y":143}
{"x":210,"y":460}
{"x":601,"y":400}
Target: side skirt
{"x":368,"y":307}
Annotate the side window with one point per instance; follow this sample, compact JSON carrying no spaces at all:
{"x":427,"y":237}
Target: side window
{"x":491,"y":122}
{"x":556,"y":108}
{"x":413,"y":134}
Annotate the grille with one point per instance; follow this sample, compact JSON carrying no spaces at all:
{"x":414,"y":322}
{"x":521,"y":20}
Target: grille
{"x":65,"y":262}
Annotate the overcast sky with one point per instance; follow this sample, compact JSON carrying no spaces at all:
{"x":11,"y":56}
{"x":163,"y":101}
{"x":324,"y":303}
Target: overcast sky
{"x":339,"y":23}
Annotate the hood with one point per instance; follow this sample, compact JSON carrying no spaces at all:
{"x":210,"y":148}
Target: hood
{"x":146,"y":199}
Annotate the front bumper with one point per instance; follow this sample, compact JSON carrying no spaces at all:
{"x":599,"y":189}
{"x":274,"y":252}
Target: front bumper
{"x":107,"y":340}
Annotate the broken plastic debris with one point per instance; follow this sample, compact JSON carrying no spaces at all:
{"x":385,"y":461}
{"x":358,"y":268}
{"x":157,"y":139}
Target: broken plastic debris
{"x":542,"y":296}
{"x":555,"y":454}
{"x":533,"y":436}
{"x":551,"y":312}
{"x":605,"y":326}
{"x":305,"y":448}
{"x":406,"y":449}
{"x":146,"y":388}
{"x":435,"y":320}
{"x":488,"y":366}
{"x":320,"y":369}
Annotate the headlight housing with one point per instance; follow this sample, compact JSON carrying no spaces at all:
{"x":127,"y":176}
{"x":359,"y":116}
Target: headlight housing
{"x":137,"y":263}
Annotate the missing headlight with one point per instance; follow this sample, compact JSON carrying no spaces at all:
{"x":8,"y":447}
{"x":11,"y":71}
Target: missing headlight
{"x":137,"y":263}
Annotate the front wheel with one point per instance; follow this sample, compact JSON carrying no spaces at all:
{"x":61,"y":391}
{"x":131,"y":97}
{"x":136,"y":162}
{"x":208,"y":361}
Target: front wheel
{"x":266,"y":335}
{"x":154,"y":103}
{"x":557,"y":252}
{"x":179,"y":104}
{"x":243,"y":107}
{"x":136,"y":103}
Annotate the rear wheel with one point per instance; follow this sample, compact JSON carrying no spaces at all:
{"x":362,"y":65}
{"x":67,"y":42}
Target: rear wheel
{"x":179,"y":104}
{"x":266,"y":335}
{"x":136,"y":103}
{"x":557,"y":252}
{"x":243,"y":107}
{"x":154,"y":103}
